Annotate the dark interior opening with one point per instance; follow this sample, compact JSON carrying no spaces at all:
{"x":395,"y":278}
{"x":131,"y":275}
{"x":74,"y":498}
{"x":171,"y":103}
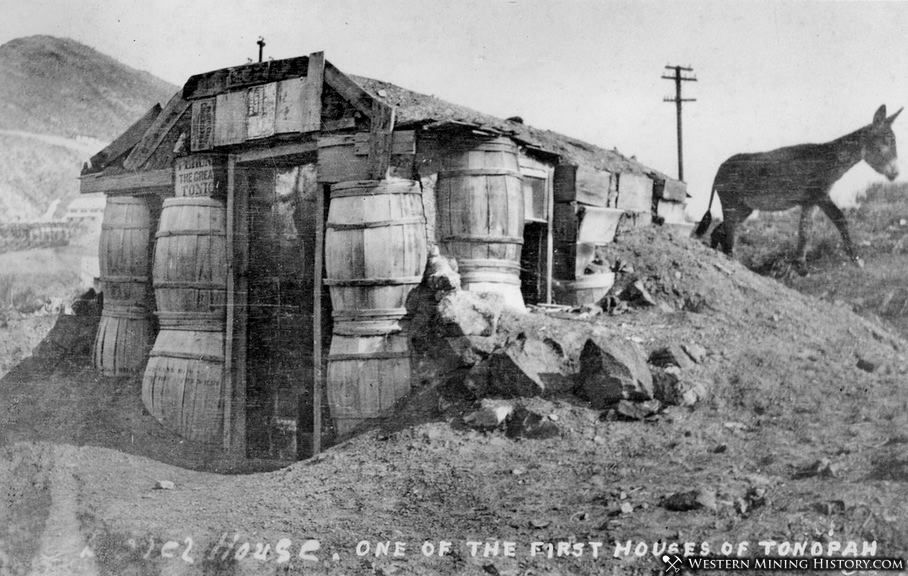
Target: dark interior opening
{"x":533,"y":263}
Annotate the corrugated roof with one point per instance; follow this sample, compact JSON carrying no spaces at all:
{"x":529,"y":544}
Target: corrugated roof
{"x":413,"y":108}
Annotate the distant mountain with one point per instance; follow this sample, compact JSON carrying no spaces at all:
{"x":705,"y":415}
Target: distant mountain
{"x":61,"y":102}
{"x":59,"y":86}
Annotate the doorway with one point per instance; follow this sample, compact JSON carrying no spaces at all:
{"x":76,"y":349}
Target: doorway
{"x":279,"y":314}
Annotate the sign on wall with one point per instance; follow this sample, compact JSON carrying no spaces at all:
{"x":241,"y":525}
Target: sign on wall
{"x":202,"y":124}
{"x":199,"y":175}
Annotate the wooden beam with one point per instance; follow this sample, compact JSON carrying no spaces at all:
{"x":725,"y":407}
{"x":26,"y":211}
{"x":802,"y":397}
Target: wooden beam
{"x":381,"y":137}
{"x":125,"y":141}
{"x":317,"y":319}
{"x":336,"y":125}
{"x":156,"y":133}
{"x":276,"y":152}
{"x":236,"y":77}
{"x":582,"y":184}
{"x":311,"y":98}
{"x":352,"y":92}
{"x":159,"y":180}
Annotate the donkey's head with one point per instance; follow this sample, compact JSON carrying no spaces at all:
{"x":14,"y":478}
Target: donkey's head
{"x":879,"y":144}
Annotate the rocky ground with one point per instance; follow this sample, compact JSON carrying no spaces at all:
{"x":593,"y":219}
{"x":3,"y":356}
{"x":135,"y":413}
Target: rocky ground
{"x":779,"y":417}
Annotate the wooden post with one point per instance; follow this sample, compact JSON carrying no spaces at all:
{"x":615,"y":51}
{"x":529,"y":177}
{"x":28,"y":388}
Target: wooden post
{"x":380,"y":140}
{"x":311,"y":97}
{"x":231,"y":295}
{"x":317,"y":320}
{"x":235,"y":352}
{"x":549,"y":243}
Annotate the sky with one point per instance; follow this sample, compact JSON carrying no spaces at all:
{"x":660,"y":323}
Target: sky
{"x":769,"y":74}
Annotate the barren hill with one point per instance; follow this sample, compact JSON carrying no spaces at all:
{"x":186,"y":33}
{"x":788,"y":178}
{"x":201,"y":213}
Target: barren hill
{"x":60,"y":101}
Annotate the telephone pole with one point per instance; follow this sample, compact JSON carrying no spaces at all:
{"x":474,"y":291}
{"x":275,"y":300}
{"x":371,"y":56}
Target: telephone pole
{"x":679,"y":78}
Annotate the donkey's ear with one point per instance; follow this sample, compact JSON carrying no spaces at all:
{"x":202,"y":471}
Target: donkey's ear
{"x":892,"y":118}
{"x":880,"y":117}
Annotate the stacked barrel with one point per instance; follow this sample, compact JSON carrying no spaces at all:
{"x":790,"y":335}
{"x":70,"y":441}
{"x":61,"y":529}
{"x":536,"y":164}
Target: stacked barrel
{"x":183,"y":383}
{"x":375,"y":255}
{"x":480,"y":206}
{"x":125,"y":329}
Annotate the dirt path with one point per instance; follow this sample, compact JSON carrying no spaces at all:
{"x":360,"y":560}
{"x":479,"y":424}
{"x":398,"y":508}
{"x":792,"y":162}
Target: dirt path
{"x":62,"y":550}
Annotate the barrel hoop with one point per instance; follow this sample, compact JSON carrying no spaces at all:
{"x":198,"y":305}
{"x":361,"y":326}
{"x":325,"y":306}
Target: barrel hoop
{"x":369,"y":356}
{"x":189,"y":284}
{"x":401,"y":280}
{"x":187,"y":356}
{"x":193,"y":326}
{"x":478,"y":172}
{"x":355,"y":191}
{"x":167,"y":315}
{"x":128,"y":312}
{"x":370,"y":313}
{"x":480,"y":239}
{"x":200,"y":232}
{"x":125,"y":279}
{"x":497,"y":145}
{"x":489,"y":278}
{"x":487,"y":263}
{"x":376,"y":224}
{"x":146,"y":227}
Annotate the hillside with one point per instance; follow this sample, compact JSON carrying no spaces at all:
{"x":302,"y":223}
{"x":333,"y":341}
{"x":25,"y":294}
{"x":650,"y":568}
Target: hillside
{"x":60,"y":102}
{"x":59,"y":86}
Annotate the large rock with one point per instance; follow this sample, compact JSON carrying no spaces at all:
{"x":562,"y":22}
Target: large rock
{"x":613,"y":370}
{"x":470,"y":314}
{"x":529,"y":366}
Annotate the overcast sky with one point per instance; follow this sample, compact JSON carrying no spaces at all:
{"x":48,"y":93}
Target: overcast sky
{"x":769,"y":74}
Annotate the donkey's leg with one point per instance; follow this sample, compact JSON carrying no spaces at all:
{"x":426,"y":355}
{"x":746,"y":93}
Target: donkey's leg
{"x":734,"y":215}
{"x":803,"y":229}
{"x":834,"y":214}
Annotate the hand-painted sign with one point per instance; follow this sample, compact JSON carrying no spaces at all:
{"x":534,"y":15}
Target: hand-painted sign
{"x":199,"y":175}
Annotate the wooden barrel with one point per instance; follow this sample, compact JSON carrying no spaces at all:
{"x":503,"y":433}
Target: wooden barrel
{"x":123,"y":338}
{"x":375,"y":255}
{"x":366,"y":376}
{"x":125,"y":330}
{"x":183,"y":383}
{"x":479,"y":195}
{"x":190,"y":262}
{"x":124,"y":248}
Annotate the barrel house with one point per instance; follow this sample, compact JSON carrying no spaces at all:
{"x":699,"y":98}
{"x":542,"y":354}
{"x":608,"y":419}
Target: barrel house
{"x":265,"y":228}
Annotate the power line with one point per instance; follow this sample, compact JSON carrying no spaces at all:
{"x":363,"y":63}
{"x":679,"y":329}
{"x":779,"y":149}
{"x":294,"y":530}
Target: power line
{"x":678,"y":78}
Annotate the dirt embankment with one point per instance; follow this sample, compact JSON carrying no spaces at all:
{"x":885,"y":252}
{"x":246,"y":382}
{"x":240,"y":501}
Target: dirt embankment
{"x":799,"y":439}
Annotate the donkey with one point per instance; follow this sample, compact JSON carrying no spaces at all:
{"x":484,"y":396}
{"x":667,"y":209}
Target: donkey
{"x":798,"y":176}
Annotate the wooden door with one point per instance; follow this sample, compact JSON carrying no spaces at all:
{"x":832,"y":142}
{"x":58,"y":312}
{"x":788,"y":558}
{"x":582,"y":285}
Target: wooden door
{"x":279,"y":371}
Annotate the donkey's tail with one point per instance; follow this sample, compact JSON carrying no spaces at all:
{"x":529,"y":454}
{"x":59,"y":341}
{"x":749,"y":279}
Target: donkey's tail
{"x":704,"y":224}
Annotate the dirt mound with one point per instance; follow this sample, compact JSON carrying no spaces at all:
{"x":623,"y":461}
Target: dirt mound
{"x":800,"y":439}
{"x":55,"y":395}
